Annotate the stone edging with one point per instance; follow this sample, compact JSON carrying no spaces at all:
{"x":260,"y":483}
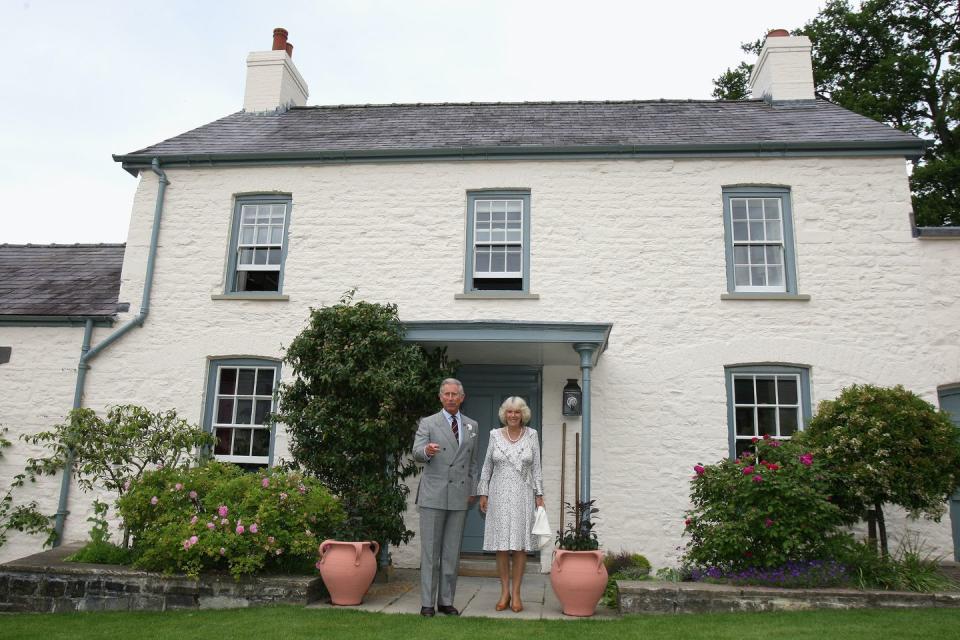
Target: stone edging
{"x":699,"y":597}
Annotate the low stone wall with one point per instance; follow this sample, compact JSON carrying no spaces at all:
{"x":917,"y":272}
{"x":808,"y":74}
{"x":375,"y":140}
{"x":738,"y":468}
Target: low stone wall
{"x":698,"y":597}
{"x":43,"y":583}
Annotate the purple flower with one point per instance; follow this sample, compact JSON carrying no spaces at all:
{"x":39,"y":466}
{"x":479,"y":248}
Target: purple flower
{"x":154,"y":500}
{"x":193,"y":495}
{"x":223,"y":511}
{"x":253,"y":528}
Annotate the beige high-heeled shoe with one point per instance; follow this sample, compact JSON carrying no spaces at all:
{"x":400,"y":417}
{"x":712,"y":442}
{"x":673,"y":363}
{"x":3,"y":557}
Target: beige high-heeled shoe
{"x":503,"y":604}
{"x":516,"y":606}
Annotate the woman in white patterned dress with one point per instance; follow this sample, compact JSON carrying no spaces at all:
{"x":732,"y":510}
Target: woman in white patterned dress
{"x":510,"y":488}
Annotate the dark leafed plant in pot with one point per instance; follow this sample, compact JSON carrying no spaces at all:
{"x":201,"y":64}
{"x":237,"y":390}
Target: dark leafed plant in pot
{"x":578,"y":575}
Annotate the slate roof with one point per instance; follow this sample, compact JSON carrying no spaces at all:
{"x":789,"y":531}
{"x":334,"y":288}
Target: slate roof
{"x":529,"y":127}
{"x":60,"y":279}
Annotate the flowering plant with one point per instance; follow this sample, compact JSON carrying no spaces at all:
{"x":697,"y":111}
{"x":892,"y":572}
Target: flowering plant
{"x":217,"y":517}
{"x":769,"y":507}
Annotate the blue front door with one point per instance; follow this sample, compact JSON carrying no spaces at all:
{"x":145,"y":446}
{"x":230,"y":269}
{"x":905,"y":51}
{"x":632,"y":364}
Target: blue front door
{"x":487,"y":386}
{"x":950,"y":402}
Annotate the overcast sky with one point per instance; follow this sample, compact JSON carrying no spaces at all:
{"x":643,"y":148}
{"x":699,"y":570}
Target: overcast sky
{"x":84,"y":79}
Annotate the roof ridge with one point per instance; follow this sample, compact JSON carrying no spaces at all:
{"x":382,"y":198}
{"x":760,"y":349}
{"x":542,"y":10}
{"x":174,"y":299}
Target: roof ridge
{"x":55,"y":245}
{"x":521,"y":103}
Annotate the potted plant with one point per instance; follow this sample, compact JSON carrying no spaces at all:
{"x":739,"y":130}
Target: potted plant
{"x":578,"y":575}
{"x":347,"y":569}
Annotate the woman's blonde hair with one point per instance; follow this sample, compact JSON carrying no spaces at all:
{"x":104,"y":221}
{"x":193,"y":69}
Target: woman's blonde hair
{"x":514,"y":402}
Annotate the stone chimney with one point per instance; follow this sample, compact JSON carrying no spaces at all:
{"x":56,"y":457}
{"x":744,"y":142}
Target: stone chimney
{"x":784,"y":70}
{"x":272,"y":81}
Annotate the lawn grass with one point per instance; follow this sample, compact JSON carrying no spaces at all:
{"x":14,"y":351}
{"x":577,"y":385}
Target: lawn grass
{"x":296,"y":622}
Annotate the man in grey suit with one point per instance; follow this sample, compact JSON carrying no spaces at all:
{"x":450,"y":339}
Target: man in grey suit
{"x":446,"y":443}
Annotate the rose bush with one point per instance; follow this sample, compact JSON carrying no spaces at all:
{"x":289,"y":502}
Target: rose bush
{"x":768,"y":508}
{"x":216,"y":517}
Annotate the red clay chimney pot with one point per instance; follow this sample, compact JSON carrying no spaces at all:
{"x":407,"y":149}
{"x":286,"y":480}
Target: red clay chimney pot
{"x":280,"y":39}
{"x":778,"y":33}
{"x":289,"y":49}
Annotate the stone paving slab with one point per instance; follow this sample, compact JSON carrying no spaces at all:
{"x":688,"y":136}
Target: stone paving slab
{"x":476,"y":598}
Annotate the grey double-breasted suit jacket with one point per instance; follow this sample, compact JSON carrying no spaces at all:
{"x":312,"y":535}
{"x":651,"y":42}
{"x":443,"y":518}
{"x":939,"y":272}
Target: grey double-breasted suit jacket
{"x":451,"y":475}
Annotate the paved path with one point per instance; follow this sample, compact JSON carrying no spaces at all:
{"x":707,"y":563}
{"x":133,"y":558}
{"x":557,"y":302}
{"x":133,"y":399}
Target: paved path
{"x":476,"y":597}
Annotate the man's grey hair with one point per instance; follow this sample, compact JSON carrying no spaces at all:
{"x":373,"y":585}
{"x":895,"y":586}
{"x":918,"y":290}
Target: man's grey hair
{"x":451,"y":381}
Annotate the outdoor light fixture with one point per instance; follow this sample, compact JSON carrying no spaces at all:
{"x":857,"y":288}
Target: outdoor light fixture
{"x":572,"y":397}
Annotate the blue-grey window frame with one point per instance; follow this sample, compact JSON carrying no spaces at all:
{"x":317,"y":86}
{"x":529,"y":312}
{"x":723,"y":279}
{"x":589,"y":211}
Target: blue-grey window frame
{"x":759,"y":369}
{"x":213,"y":367}
{"x":239,"y":201}
{"x":789,"y":245}
{"x":481,"y":194}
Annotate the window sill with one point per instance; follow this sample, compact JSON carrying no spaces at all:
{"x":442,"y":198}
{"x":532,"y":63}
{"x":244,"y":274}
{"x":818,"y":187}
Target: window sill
{"x":936,"y":233}
{"x":272,"y":297}
{"x":496,"y":295}
{"x":794,"y":297}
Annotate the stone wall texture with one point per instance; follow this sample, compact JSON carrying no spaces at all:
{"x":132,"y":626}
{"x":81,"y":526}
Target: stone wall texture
{"x":635,"y":243}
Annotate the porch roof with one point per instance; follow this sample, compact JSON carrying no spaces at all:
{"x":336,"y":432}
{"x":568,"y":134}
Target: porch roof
{"x":510,"y":341}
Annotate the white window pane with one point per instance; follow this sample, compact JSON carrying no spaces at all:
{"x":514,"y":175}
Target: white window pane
{"x":756,"y":255}
{"x":514,"y":236}
{"x":276,"y":235}
{"x":774,"y":255}
{"x":740,"y":231}
{"x":755,"y":209}
{"x":513,"y":262}
{"x":483,"y":235}
{"x":279,"y":210}
{"x":274,"y":256}
{"x":771,"y":207}
{"x":739,"y":208}
{"x":514,"y":207}
{"x":482,"y":262}
{"x":741,"y":277}
{"x":497,"y":262}
{"x":756,"y":231}
{"x":483,"y":206}
{"x":246,"y":256}
{"x":787,"y":390}
{"x":246,"y":235}
{"x":758,"y":276}
{"x":499,"y":209}
{"x":483,"y":217}
{"x":260,"y":256}
{"x":773,"y":230}
{"x":775,"y":276}
{"x":741,"y":255}
{"x":248,"y":214}
{"x":262,"y":235}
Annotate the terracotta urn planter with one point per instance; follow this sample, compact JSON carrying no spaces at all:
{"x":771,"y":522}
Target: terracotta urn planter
{"x":347,"y":568}
{"x":579,"y":580}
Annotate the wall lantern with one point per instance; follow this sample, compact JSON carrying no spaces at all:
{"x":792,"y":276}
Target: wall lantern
{"x":572,"y":397}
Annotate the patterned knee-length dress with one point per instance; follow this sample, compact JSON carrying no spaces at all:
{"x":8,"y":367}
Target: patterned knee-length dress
{"x":511,"y":478}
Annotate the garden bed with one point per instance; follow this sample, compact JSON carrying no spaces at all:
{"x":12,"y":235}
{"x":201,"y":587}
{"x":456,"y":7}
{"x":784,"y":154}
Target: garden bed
{"x":45,"y":583}
{"x":697,"y":597}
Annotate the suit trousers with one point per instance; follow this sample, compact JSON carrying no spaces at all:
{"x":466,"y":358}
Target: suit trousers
{"x":441,"y":534}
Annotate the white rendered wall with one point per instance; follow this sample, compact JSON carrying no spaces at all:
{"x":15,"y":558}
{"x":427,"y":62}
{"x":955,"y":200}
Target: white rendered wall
{"x":636,"y":243}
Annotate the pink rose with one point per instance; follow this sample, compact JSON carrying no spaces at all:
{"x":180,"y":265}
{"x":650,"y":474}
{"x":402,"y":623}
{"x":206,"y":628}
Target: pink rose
{"x":186,"y":544}
{"x":253,"y":528}
{"x":193,"y":520}
{"x":178,"y":486}
{"x":768,"y":522}
{"x":806,"y":459}
{"x":748,"y":470}
{"x":223,"y":511}
{"x":302,"y":489}
{"x":775,"y":443}
{"x":210,"y":525}
{"x":699,"y":469}
{"x":283,"y":496}
{"x":686,"y":522}
{"x":279,"y":551}
{"x":240,"y":529}
{"x":193,"y":495}
{"x":154,"y":500}
{"x":265,"y":483}
{"x":194,"y":540}
{"x":758,"y":478}
{"x":223,"y":551}
{"x":224,"y":521}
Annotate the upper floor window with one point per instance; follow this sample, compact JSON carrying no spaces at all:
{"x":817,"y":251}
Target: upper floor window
{"x":498,"y":241}
{"x":758,"y":228}
{"x":765,"y":400}
{"x":239,"y":402}
{"x":258,"y":244}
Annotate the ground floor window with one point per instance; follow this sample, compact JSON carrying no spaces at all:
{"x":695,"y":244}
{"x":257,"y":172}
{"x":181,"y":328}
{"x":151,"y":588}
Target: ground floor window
{"x":239,"y":403}
{"x":765,"y":400}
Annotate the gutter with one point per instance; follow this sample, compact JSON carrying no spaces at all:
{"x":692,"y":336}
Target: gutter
{"x":87,"y":353}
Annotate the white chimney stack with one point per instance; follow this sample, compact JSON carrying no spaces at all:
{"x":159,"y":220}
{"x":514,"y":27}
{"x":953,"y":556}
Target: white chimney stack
{"x":272,"y":80}
{"x":784,"y":70}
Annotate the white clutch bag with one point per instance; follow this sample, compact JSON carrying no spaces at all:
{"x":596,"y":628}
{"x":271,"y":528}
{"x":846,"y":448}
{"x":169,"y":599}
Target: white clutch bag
{"x":541,"y":528}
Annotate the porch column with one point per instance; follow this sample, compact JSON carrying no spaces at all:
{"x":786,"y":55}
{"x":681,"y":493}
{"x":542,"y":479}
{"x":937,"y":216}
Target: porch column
{"x":586,"y":351}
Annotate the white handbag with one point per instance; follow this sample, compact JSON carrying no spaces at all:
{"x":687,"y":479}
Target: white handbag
{"x":541,"y":528}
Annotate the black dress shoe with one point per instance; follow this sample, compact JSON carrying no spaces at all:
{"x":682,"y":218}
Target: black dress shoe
{"x":447,"y":610}
{"x":427,"y":612}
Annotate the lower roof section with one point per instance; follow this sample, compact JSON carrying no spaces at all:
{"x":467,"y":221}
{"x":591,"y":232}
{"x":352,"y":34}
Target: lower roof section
{"x":510,"y":341}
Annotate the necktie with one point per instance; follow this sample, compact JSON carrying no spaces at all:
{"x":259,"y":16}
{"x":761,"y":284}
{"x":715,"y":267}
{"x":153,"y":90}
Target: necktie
{"x":456,"y":429}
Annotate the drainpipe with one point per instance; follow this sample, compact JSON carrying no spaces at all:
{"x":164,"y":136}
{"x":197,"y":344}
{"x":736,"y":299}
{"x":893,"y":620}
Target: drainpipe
{"x":586,"y":351}
{"x":87,"y":353}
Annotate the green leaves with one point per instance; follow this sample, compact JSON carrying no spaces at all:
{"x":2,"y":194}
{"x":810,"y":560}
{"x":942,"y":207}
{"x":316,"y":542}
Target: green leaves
{"x":25,"y":518}
{"x":352,"y":407}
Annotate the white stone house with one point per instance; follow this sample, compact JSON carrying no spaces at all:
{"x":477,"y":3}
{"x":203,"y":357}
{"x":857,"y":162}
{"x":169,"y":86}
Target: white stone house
{"x":707,"y":271}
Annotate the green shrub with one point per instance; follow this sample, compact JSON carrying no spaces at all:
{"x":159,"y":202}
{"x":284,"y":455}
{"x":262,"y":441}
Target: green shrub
{"x":910,"y":568}
{"x":100,"y":550}
{"x":216,"y":517}
{"x":623,"y":565}
{"x":768,"y":508}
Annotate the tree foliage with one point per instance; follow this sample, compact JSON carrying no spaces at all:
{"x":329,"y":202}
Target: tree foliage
{"x":898,"y":62}
{"x":887,"y":446}
{"x":110,"y":453}
{"x":351,"y":410}
{"x":26,"y":518}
